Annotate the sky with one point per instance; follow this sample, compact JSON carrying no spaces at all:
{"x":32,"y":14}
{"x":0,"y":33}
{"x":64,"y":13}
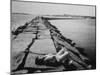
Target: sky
{"x":37,"y":8}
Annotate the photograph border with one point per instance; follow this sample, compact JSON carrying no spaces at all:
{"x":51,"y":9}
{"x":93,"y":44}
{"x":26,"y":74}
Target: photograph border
{"x":58,"y":4}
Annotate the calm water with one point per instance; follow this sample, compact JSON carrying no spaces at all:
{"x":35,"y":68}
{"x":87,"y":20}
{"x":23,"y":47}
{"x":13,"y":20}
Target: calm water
{"x":82,"y":31}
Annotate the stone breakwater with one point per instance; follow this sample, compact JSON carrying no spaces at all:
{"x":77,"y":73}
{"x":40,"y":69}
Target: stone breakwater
{"x":38,"y":29}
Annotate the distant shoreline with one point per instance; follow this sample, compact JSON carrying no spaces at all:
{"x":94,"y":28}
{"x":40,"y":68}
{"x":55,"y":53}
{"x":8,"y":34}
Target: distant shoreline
{"x":63,"y":15}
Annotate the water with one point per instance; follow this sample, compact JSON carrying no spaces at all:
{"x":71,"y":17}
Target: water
{"x":82,"y":31}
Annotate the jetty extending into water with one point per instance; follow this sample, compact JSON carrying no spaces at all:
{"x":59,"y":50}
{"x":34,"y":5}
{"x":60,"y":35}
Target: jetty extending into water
{"x":33,"y":31}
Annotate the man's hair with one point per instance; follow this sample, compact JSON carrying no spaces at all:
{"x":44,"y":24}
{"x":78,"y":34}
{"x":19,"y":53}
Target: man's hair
{"x":39,"y":61}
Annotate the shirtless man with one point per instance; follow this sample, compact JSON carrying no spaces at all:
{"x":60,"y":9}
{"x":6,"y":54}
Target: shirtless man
{"x":61,"y":58}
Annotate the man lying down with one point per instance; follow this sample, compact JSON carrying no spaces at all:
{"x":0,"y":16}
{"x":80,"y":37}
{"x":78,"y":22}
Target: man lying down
{"x":64,"y":58}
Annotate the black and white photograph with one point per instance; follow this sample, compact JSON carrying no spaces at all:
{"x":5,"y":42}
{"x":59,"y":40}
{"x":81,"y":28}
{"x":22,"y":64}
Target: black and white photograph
{"x":52,"y":37}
